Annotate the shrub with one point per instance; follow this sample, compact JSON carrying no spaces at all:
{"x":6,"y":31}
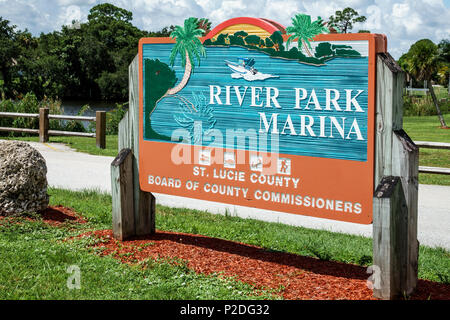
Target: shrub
{"x":113,"y":118}
{"x":30,"y":104}
{"x":77,"y":126}
{"x":422,"y":106}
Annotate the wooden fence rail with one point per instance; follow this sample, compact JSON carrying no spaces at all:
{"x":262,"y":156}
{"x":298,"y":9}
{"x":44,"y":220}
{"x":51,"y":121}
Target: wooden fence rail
{"x":44,"y":132}
{"x":433,"y":145}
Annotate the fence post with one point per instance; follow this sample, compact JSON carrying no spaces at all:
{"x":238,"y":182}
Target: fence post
{"x":43,"y":125}
{"x":100,"y":122}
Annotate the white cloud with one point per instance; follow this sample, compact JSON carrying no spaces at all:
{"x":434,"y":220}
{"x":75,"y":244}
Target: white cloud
{"x":403,"y":21}
{"x":70,"y":14}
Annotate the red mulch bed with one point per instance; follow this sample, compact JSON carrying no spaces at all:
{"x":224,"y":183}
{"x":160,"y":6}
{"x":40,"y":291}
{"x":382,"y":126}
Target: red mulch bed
{"x":296,"y":277}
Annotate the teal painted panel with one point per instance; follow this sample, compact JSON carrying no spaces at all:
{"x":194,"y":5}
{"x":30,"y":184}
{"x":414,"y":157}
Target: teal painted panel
{"x":335,"y":134}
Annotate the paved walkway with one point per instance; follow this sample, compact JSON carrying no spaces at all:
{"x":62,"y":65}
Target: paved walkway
{"x":76,"y":171}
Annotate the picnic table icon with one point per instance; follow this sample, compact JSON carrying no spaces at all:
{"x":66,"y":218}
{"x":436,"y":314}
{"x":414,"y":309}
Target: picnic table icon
{"x":284,"y":166}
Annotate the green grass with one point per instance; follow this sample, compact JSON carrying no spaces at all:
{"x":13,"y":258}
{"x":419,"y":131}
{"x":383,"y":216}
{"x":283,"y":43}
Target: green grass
{"x":35,"y":262}
{"x":35,"y":256}
{"x":81,"y":144}
{"x":427,"y":128}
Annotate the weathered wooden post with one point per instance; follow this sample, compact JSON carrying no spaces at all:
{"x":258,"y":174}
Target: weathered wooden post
{"x":43,"y":124}
{"x":100,"y":132}
{"x":143,"y":202}
{"x":122,"y":195}
{"x":395,"y":245}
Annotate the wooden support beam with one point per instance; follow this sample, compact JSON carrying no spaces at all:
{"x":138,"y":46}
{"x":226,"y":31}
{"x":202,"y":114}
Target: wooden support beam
{"x":43,"y":124}
{"x":395,"y":245}
{"x":143,"y":202}
{"x":390,"y":224}
{"x":405,"y":164}
{"x":389,"y":112}
{"x":122,"y":195}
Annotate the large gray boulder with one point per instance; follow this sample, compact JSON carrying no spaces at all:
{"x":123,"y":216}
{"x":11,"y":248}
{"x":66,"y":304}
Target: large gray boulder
{"x":23,"y":179}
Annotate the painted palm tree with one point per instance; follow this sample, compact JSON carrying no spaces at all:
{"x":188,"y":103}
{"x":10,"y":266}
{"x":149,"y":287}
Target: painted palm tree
{"x":304,"y":31}
{"x":189,"y":47}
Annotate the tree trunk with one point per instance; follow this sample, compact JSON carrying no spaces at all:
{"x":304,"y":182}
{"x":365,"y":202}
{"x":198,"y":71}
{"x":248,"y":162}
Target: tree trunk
{"x":306,"y":48}
{"x":186,"y":76}
{"x":433,"y":96}
{"x":448,"y":87}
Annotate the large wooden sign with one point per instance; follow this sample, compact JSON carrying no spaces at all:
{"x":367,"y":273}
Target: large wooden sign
{"x":258,"y":115}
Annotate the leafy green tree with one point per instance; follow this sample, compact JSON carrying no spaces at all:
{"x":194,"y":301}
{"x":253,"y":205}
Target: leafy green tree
{"x":109,"y":44}
{"x":83,"y":60}
{"x":304,"y":30}
{"x":158,"y":79}
{"x":236,"y":40}
{"x":253,"y":40}
{"x":344,"y":20}
{"x":444,"y":57}
{"x":10,"y":51}
{"x":444,"y":50}
{"x":422,"y":62}
{"x":204,"y":24}
{"x":268,"y":43}
{"x":107,"y":12}
{"x":242,"y":34}
{"x":403,"y":62}
{"x":89,"y":60}
{"x":277,"y":39}
{"x":324,"y":50}
{"x":221,"y":39}
{"x":164,"y":32}
{"x":188,"y":46}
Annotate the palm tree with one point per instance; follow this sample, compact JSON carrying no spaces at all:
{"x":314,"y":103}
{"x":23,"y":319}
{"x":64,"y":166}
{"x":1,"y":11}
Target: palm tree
{"x":305,"y":30}
{"x":188,"y":46}
{"x":423,"y":62}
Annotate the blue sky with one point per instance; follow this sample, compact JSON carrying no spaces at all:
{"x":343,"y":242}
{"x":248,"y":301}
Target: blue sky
{"x":403,"y":21}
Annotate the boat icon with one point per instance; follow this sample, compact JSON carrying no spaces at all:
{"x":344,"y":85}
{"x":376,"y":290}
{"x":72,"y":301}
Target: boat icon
{"x":245,"y":68}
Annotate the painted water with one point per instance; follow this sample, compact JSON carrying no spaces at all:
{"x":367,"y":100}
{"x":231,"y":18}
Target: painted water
{"x":286,"y":75}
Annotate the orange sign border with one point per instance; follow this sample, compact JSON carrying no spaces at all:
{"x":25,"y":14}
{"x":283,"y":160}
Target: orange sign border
{"x":150,"y":149}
